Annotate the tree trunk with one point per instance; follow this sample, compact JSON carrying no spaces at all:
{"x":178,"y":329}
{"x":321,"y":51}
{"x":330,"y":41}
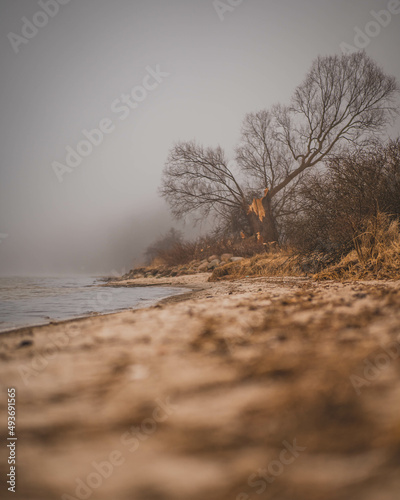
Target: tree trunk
{"x":271,"y":233}
{"x":263,"y":225}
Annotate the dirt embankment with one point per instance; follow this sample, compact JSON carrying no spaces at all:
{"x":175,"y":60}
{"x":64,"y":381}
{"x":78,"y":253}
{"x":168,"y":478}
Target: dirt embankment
{"x":273,"y":388}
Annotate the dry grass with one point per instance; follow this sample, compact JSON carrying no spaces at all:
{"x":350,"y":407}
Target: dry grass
{"x":281,"y":263}
{"x":376,"y":254}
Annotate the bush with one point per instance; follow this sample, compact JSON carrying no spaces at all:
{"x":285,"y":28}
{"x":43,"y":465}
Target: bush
{"x":336,"y":205}
{"x":173,"y":251}
{"x":164,"y":244}
{"x":376,"y":254}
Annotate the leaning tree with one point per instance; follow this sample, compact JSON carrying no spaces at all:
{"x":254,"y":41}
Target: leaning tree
{"x":342,"y":101}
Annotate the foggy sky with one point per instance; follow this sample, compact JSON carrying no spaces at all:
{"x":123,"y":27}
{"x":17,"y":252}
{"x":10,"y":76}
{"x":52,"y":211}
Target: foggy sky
{"x":69,"y":75}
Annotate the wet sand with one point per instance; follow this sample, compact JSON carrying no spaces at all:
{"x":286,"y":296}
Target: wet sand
{"x":273,"y":388}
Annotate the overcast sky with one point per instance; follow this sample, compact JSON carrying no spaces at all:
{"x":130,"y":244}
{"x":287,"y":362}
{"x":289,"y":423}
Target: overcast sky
{"x":202,"y":71}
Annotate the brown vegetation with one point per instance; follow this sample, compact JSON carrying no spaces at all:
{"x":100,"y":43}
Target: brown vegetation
{"x":376,"y":254}
{"x":272,"y":264}
{"x":330,"y":184}
{"x":183,"y":252}
{"x":335,"y":205}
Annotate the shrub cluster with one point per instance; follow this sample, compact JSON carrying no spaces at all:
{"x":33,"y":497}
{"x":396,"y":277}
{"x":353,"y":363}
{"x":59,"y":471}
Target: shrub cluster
{"x":172,"y":250}
{"x":336,"y":205}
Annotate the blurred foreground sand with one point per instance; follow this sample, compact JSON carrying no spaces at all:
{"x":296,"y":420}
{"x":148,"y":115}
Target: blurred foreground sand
{"x":272,"y":388}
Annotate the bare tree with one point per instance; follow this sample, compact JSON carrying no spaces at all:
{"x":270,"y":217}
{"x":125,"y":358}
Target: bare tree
{"x":266,"y":163}
{"x":199,"y":181}
{"x":343,"y":100}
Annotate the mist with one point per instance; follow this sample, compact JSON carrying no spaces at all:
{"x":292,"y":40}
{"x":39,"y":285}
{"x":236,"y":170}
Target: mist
{"x":67,"y":208}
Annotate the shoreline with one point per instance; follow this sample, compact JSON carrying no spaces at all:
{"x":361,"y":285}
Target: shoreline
{"x":237,"y":368}
{"x":196,"y":283}
{"x":112,"y":284}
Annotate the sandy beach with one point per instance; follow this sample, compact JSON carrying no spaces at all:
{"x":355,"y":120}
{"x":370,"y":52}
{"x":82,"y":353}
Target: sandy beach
{"x":273,"y":388}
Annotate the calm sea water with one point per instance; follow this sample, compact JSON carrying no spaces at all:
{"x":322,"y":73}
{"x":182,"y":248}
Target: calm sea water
{"x":36,"y":301}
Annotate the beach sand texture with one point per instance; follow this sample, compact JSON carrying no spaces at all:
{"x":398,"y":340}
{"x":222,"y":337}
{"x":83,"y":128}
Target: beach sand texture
{"x":273,"y":388}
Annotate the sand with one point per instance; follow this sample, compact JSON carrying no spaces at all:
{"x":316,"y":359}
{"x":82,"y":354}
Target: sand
{"x":272,"y":388}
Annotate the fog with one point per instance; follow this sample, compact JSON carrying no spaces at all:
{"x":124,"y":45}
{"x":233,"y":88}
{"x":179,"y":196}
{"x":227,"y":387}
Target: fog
{"x":195,"y":67}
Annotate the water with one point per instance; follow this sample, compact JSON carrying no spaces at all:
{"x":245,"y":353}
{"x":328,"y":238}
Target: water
{"x":37,"y":301}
